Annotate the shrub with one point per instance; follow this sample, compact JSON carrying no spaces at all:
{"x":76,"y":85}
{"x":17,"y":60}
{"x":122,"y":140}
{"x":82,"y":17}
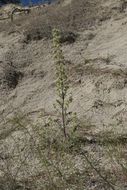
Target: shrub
{"x":35,"y":33}
{"x":11,"y":77}
{"x":68,"y":37}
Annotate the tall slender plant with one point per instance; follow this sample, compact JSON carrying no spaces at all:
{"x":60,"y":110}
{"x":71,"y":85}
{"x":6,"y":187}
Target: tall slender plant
{"x":64,"y":99}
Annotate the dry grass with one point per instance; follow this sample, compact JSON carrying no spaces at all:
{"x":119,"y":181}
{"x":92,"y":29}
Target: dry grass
{"x":74,"y":17}
{"x":57,"y":163}
{"x":37,"y":156}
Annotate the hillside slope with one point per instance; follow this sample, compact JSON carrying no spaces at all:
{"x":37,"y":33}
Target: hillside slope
{"x":97,"y":71}
{"x":98,"y":59}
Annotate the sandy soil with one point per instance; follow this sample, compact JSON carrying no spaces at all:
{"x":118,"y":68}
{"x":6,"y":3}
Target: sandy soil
{"x":97,"y":72}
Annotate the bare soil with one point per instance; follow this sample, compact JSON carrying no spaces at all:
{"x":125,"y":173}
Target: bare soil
{"x":97,"y":71}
